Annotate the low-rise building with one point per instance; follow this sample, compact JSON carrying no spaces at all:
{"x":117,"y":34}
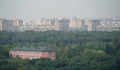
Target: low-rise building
{"x":33,"y":52}
{"x":39,"y":28}
{"x":109,"y":26}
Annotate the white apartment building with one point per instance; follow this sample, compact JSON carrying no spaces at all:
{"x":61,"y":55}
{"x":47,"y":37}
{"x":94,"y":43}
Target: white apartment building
{"x":109,"y":26}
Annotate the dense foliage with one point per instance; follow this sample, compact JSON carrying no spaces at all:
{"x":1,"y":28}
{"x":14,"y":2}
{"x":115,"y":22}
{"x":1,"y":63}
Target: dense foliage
{"x":75,"y":50}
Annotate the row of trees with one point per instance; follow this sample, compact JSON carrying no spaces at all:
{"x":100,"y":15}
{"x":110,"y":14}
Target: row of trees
{"x":75,"y":50}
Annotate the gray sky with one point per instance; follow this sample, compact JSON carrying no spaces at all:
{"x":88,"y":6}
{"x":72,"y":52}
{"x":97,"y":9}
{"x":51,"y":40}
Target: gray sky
{"x":34,"y":9}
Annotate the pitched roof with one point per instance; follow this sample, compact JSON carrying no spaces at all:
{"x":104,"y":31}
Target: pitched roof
{"x":35,"y":48}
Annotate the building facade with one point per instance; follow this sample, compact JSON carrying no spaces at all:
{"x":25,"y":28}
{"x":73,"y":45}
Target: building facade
{"x":39,"y":28}
{"x":74,"y":24}
{"x":1,"y":20}
{"x":10,"y":25}
{"x":109,"y":26}
{"x":77,"y":25}
{"x":64,"y":24}
{"x":33,"y":52}
{"x":93,"y":25}
{"x":49,"y":22}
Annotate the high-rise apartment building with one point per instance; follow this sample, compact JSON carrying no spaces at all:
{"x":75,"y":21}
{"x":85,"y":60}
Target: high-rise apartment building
{"x":77,"y":25}
{"x":1,"y":20}
{"x":64,"y":24}
{"x":6,"y":25}
{"x":10,"y":25}
{"x":93,"y":25}
{"x":48,"y":22}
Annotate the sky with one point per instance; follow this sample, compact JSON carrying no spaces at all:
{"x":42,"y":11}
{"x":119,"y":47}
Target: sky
{"x":35,"y":9}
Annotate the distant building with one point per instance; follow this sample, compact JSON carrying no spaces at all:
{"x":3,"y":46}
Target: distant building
{"x":93,"y":25}
{"x":48,"y":22}
{"x":77,"y":25}
{"x":39,"y":28}
{"x":10,"y":25}
{"x":1,"y":22}
{"x":64,"y":24}
{"x":109,"y":26}
{"x":45,"y":25}
{"x":18,"y":22}
{"x":33,"y":52}
{"x":74,"y":24}
{"x":6,"y":25}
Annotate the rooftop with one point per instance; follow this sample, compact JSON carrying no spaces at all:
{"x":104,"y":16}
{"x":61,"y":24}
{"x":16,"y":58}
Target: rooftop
{"x":34,"y":48}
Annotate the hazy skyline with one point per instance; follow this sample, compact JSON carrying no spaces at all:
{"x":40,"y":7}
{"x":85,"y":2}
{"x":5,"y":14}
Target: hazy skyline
{"x":35,"y":9}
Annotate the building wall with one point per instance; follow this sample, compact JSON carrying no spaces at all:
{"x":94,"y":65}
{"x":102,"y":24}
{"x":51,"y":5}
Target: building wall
{"x":32,"y":54}
{"x":10,"y":25}
{"x":48,"y":22}
{"x":64,"y":24}
{"x":76,"y":23}
{"x":17,"y":24}
{"x":109,"y":26}
{"x":1,"y":24}
{"x":93,"y":24}
{"x":7,"y":25}
{"x":39,"y":28}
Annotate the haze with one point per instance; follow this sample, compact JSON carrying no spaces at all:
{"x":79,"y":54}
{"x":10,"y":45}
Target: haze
{"x":34,"y":9}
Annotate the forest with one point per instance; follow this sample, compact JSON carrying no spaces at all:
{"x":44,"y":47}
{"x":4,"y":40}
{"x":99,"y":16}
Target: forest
{"x":75,"y":50}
